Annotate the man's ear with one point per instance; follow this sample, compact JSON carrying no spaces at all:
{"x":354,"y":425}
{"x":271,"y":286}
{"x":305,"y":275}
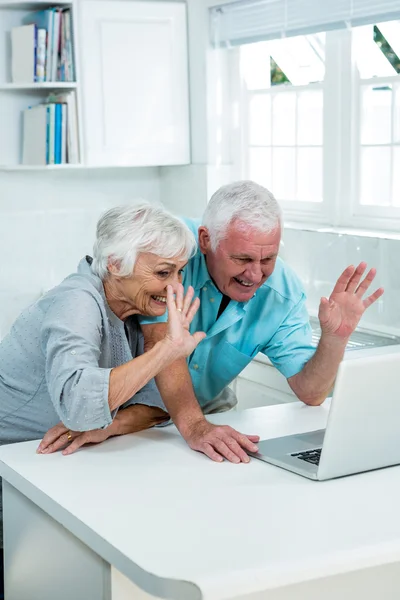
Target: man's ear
{"x":204,"y":239}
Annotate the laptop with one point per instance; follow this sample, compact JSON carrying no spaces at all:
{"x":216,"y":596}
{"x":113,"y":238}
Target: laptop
{"x":363,"y":428}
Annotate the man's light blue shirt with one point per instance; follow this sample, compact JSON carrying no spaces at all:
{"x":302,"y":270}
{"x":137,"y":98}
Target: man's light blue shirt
{"x":275,"y":322}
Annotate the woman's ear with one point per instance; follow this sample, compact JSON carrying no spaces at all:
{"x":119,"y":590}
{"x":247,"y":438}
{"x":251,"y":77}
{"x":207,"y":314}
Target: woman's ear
{"x":113,"y":265}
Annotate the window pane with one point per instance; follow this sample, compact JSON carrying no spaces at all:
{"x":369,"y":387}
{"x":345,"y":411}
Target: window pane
{"x":260,"y":120}
{"x":284,"y":119}
{"x":260,"y":166}
{"x":396,"y":125}
{"x":396,"y":177}
{"x":301,"y":58}
{"x":309,"y":174}
{"x":375,"y":176}
{"x":376,"y":116}
{"x":255,"y":65}
{"x":309,"y":115}
{"x":284,"y":173}
{"x":370,"y":59}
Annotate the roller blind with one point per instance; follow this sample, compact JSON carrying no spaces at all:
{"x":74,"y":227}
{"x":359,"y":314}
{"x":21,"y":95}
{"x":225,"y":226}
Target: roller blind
{"x":247,"y":21}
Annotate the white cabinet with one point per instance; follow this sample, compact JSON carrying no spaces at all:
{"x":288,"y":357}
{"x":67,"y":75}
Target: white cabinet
{"x":261,"y":384}
{"x":134,"y":83}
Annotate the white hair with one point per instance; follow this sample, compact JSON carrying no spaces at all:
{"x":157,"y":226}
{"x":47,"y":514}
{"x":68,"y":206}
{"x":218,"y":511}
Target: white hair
{"x":246,"y":201}
{"x":125,"y":231}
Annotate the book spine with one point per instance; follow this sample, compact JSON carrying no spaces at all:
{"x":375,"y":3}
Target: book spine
{"x":47,"y":135}
{"x":58,"y":134}
{"x":35,"y":51}
{"x":52,"y":130}
{"x":41,"y":55}
{"x":49,"y":46}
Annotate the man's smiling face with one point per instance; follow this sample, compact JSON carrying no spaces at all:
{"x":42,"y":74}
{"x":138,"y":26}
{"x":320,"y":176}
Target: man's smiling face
{"x":243,"y":259}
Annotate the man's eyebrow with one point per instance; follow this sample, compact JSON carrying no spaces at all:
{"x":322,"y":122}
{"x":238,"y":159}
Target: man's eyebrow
{"x":251,"y":258}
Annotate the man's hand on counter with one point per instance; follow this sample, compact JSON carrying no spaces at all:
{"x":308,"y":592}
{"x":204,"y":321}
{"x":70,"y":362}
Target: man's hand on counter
{"x":219,"y":442}
{"x":128,"y":420}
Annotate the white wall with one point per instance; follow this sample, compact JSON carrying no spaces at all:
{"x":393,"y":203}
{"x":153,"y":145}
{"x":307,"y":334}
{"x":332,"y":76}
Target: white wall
{"x":210,"y":126}
{"x":47,"y":223}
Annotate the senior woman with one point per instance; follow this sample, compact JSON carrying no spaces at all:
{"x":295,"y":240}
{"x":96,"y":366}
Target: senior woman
{"x":76,"y":355}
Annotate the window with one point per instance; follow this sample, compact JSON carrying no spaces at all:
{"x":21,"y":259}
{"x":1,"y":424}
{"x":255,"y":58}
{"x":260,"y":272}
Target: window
{"x":378,"y":67}
{"x":321,"y":124}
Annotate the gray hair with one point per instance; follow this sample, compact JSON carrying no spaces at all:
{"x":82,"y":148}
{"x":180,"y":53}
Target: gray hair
{"x":125,"y":231}
{"x":244,"y":200}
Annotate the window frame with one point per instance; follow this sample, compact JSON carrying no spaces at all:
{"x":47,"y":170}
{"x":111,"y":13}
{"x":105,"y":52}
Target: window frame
{"x":341,"y":206}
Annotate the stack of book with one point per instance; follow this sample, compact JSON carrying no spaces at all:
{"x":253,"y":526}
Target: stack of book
{"x":41,"y":49}
{"x":50,"y":132}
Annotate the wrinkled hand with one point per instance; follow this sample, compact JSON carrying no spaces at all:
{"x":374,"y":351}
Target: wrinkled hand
{"x":220,"y":441}
{"x":56,"y":439}
{"x":340,"y":314}
{"x":181,"y":311}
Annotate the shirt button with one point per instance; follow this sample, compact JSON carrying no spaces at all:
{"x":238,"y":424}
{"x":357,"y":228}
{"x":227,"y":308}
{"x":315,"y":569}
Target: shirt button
{"x":195,"y":367}
{"x":205,"y":288}
{"x":73,"y":351}
{"x":212,"y":300}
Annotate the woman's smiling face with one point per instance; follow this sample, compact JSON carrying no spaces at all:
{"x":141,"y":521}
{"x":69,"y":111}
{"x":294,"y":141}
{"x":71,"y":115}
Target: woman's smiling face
{"x":145,"y":291}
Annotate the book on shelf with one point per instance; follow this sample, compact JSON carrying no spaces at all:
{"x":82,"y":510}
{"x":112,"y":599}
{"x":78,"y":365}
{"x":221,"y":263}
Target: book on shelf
{"x":24,"y":42}
{"x":42,"y":48}
{"x":50,"y":132}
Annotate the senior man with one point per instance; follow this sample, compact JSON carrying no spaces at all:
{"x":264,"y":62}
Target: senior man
{"x":251,"y":301}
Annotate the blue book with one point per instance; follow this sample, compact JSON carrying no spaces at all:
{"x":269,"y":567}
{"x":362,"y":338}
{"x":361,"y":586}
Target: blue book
{"x":58,"y":135}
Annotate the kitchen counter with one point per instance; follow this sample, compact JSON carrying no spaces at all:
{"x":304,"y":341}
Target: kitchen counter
{"x":143,"y":516}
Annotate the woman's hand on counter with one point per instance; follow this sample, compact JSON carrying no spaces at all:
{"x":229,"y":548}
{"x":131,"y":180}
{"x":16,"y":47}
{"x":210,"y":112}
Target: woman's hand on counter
{"x":128,"y":420}
{"x":60,"y":437}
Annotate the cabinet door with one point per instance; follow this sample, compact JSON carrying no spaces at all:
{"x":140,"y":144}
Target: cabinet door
{"x":135,"y":83}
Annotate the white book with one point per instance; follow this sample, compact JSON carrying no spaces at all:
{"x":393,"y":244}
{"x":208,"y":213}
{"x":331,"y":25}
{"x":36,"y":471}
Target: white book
{"x":23,"y":54}
{"x":35,"y":148}
{"x":73,"y":129}
{"x":52,"y":134}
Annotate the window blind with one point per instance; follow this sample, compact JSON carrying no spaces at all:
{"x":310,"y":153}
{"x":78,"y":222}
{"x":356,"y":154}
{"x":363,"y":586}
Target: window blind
{"x":247,"y":21}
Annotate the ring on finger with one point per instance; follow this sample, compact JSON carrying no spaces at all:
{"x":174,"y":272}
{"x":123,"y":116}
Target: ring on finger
{"x":69,"y":435}
{"x":179,"y":309}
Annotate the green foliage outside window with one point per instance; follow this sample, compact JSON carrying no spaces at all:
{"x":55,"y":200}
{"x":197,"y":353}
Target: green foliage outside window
{"x":387,"y":50}
{"x":277,"y":75}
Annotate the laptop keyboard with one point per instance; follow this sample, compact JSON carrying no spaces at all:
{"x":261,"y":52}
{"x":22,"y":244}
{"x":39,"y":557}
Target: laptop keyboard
{"x":310,"y":456}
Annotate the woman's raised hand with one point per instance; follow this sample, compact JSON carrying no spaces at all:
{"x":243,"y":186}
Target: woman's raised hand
{"x":181,"y":310}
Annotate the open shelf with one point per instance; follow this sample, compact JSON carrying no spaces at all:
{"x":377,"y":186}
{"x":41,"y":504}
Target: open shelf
{"x":46,"y":85}
{"x":63,"y":167}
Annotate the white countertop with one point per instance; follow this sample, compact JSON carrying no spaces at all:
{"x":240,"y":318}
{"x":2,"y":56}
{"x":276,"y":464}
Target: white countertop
{"x":182,"y":526}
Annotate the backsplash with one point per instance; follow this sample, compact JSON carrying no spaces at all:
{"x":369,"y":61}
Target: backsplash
{"x":319,"y":258}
